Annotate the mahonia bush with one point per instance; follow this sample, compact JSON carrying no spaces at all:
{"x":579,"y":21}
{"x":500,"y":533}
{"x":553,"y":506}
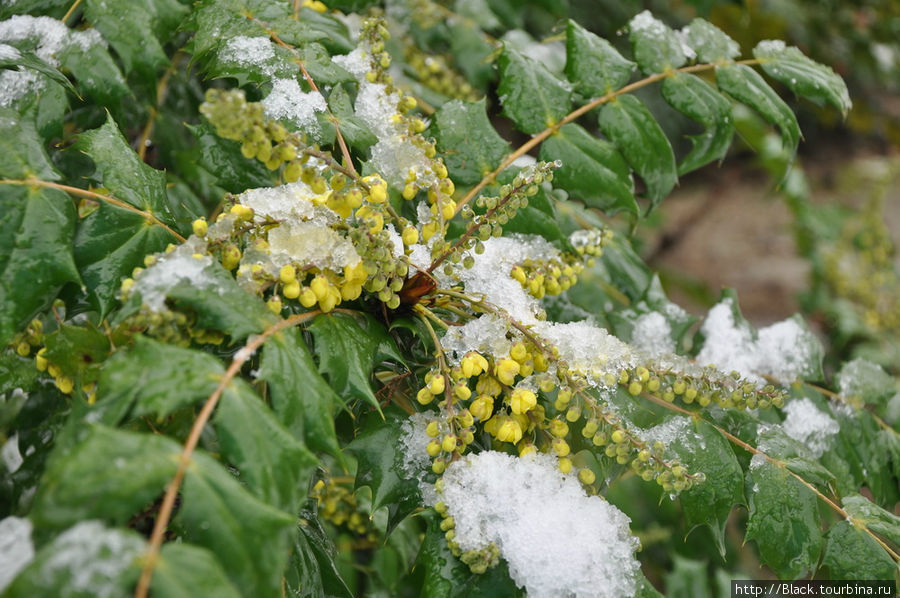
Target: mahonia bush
{"x":284,"y":314}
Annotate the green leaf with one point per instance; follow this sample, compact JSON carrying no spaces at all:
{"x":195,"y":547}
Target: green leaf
{"x":634,"y":130}
{"x":538,"y":218}
{"x":656,"y":46}
{"x":85,"y":561}
{"x":28,"y":60}
{"x":223,"y":159}
{"x":688,"y":579}
{"x":710,"y":43}
{"x":275,"y":465}
{"x":784,"y":521}
{"x":301,"y":398}
{"x":155,"y":379}
{"x":624,"y":266}
{"x":593,"y":65}
{"x":700,"y":101}
{"x":352,"y":127}
{"x":186,"y":571}
{"x":467,"y":140}
{"x":531,"y":96}
{"x":746,"y":85}
{"x":136,"y":29}
{"x":803,"y":76}
{"x":379,"y":452}
{"x":592,"y":170}
{"x":874,"y":517}
{"x":110,"y":475}
{"x":347,"y":354}
{"x":852,"y":554}
{"x":863,"y":380}
{"x":703,"y":448}
{"x":312,"y":571}
{"x":249,"y":537}
{"x":112,"y":241}
{"x":96,"y":73}
{"x":75,"y":349}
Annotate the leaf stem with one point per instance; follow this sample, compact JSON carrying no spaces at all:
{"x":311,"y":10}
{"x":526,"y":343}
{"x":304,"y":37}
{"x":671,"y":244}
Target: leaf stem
{"x":582,"y":110}
{"x":184,"y":460}
{"x":71,"y":11}
{"x":162,"y":88}
{"x":29,"y":182}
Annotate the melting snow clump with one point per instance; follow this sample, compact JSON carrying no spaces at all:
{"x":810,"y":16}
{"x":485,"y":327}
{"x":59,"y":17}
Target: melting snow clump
{"x":250,"y":51}
{"x":92,"y":558}
{"x":486,"y":334}
{"x":557,"y":540}
{"x":781,"y":350}
{"x":185,"y":264}
{"x":413,"y":441}
{"x":807,"y":425}
{"x":587,"y":348}
{"x":652,"y":334}
{"x":16,"y":548}
{"x":288,"y":102}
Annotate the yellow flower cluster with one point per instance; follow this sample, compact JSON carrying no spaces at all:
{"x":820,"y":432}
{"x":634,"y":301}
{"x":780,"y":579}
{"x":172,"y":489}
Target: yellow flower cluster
{"x":338,"y":505}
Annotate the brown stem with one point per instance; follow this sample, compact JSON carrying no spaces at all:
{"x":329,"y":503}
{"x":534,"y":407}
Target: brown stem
{"x":71,"y":11}
{"x":162,"y":89}
{"x":93,"y":195}
{"x":184,"y":460}
{"x":537,"y":139}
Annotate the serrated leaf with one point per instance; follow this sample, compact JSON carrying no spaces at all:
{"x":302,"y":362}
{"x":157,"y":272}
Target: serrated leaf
{"x":36,"y":229}
{"x":155,"y":379}
{"x":805,"y":77}
{"x":136,"y":29}
{"x":186,"y":571}
{"x":379,"y":452}
{"x":747,"y":86}
{"x":852,"y":554}
{"x":354,"y":130}
{"x":703,"y":448}
{"x":74,"y":349}
{"x":223,"y":159}
{"x":709,"y":42}
{"x":593,"y":65}
{"x":656,"y":46}
{"x":861,"y":379}
{"x":531,"y":96}
{"x":250,"y":538}
{"x":275,"y":465}
{"x":301,"y":398}
{"x":627,"y":123}
{"x":874,"y":517}
{"x":312,"y":571}
{"x":700,"y":101}
{"x":592,"y":170}
{"x":112,"y":241}
{"x":347,"y":354}
{"x":784,"y":521}
{"x":28,"y":60}
{"x":467,"y":140}
{"x":321,"y":68}
{"x":86,"y":560}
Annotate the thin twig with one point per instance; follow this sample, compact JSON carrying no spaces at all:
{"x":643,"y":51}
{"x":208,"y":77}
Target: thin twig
{"x":537,"y":139}
{"x":161,"y":91}
{"x":71,"y":11}
{"x":781,"y":465}
{"x":93,"y":195}
{"x":184,"y":461}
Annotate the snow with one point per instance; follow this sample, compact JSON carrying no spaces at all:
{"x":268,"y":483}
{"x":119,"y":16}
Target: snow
{"x":781,"y":350}
{"x":293,"y":201}
{"x":490,"y":276}
{"x":771,"y":46}
{"x":486,"y":334}
{"x":556,"y":540}
{"x":47,"y":38}
{"x":185,"y":264}
{"x":652,"y":335}
{"x":311,"y":244}
{"x":92,"y":558}
{"x":706,"y":39}
{"x":645,"y":22}
{"x":288,"y":102}
{"x":250,"y":51}
{"x":588,"y":349}
{"x":808,"y":425}
{"x":413,"y":441}
{"x":354,"y":63}
{"x":673,"y":430}
{"x":863,"y":379}
{"x":10,"y":455}
{"x":16,"y":548}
